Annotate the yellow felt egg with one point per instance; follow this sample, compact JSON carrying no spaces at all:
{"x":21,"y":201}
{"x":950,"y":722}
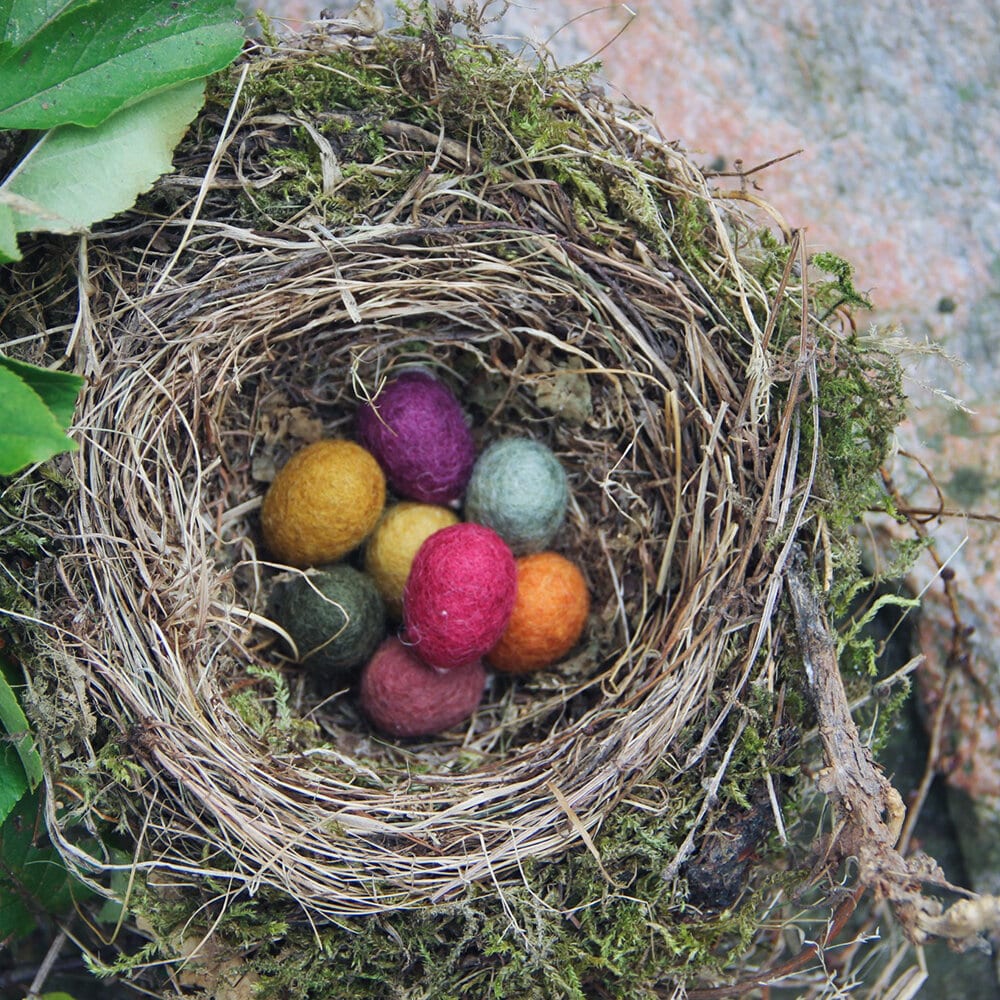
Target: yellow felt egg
{"x":322,"y":504}
{"x":392,"y":546}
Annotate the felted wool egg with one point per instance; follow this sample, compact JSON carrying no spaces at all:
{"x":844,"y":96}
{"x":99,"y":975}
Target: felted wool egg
{"x":415,"y":427}
{"x":519,"y":489}
{"x":322,"y":504}
{"x":549,"y":614}
{"x":404,"y":697}
{"x":394,"y":543}
{"x":335,"y":616}
{"x":459,"y":595}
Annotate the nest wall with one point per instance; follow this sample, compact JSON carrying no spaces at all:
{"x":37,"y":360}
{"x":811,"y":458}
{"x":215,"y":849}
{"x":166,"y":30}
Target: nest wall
{"x":594,"y":293}
{"x":172,"y":425}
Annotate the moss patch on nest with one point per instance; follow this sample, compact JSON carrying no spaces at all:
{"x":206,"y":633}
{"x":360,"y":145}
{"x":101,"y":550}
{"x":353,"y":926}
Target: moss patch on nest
{"x":575,"y":928}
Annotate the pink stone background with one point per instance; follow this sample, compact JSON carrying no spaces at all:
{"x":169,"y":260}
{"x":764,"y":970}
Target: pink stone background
{"x":896,"y":109}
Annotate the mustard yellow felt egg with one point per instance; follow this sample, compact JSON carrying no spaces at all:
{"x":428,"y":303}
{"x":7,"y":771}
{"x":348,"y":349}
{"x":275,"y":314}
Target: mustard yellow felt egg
{"x":322,"y":504}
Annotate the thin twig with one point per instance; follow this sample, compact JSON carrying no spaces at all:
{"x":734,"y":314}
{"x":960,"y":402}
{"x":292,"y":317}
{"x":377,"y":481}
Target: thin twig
{"x":45,"y":966}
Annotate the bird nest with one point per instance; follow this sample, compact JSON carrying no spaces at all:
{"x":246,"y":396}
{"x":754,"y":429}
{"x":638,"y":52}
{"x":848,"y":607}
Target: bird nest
{"x":349,"y":205}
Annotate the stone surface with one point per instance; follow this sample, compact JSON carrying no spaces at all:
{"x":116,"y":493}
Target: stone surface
{"x":897,"y":114}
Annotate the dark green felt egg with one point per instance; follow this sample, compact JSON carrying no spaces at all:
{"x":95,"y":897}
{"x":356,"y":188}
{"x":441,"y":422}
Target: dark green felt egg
{"x":335,"y":616}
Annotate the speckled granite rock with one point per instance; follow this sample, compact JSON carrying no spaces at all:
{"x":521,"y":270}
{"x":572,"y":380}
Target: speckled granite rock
{"x":897,"y":113}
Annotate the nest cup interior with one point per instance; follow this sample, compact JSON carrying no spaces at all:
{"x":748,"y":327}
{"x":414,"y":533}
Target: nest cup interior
{"x":207,"y":368}
{"x":529,"y":383}
{"x":605,"y":417}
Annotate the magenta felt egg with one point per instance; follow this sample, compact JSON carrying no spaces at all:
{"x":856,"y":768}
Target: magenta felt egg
{"x":459,"y":595}
{"x":405,"y":697}
{"x":416,"y":429}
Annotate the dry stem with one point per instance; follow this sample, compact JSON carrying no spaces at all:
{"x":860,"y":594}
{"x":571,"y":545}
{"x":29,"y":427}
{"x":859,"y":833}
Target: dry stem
{"x":869,"y":812}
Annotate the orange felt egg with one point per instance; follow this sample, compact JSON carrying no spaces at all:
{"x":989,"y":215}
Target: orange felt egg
{"x":549,"y":614}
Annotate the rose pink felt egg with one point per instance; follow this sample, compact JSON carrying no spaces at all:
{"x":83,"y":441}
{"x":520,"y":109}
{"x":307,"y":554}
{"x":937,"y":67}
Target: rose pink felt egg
{"x":404,"y":697}
{"x":459,"y":595}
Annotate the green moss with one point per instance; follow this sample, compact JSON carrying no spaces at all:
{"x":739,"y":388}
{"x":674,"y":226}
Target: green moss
{"x":860,"y":382}
{"x":123,"y":768}
{"x":888,"y":702}
{"x":573,"y":928}
{"x":24,"y":502}
{"x":861,"y":402}
{"x":309,"y":87}
{"x":252,"y":711}
{"x":774,"y":256}
{"x":859,"y":652}
{"x":840,"y":291}
{"x":690,"y":221}
{"x":439,"y":73}
{"x":266,"y":710}
{"x":566,"y":933}
{"x":267,"y":32}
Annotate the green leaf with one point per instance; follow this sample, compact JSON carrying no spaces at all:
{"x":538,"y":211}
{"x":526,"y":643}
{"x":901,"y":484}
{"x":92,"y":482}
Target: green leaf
{"x":8,"y":236}
{"x":13,"y":783}
{"x":33,"y":878}
{"x":15,"y":726}
{"x":76,"y":176}
{"x":57,"y":389}
{"x":87,"y":61}
{"x":19,"y":19}
{"x":29,"y":432}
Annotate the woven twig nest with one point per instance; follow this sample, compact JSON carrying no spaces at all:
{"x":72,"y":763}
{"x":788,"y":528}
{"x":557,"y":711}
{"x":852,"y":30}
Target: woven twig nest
{"x":345,"y":207}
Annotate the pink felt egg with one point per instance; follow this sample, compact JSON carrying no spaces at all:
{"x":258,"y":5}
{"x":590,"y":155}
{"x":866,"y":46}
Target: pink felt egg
{"x":459,"y":595}
{"x":404,"y":697}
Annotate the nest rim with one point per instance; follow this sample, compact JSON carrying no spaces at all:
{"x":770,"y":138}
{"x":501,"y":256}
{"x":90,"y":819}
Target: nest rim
{"x":337,"y":848}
